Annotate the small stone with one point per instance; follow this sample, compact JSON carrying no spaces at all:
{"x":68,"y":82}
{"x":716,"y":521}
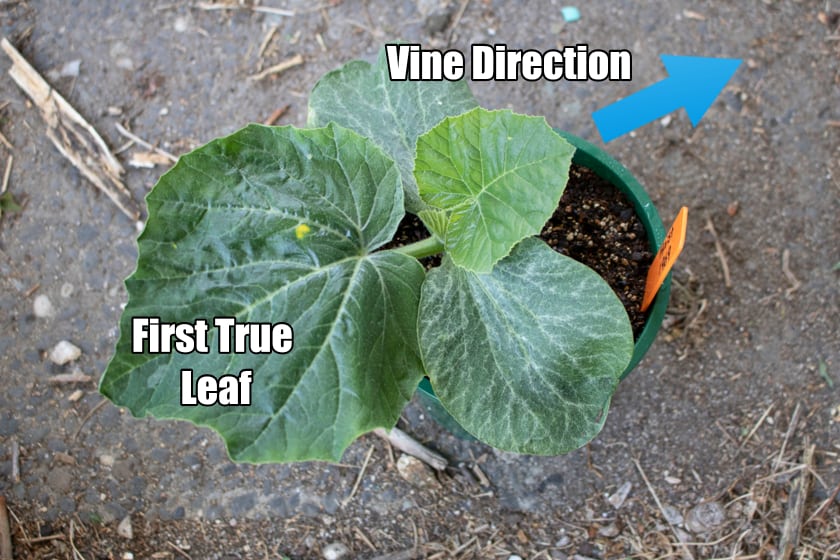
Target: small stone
{"x":415,"y":471}
{"x":70,"y":69}
{"x":64,"y":352}
{"x":43,"y":307}
{"x":673,"y":480}
{"x":703,"y":518}
{"x":127,"y":556}
{"x":665,"y":121}
{"x":672,"y":515}
{"x":617,"y":499}
{"x":124,"y":528}
{"x":609,"y":531}
{"x":514,"y":557}
{"x":67,"y":290}
{"x":181,"y":24}
{"x":76,"y":395}
{"x":563,"y":541}
{"x":107,"y":460}
{"x":335,"y":551}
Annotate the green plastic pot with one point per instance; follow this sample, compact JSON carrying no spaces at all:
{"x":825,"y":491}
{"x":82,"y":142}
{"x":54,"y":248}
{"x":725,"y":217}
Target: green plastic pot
{"x":592,"y":157}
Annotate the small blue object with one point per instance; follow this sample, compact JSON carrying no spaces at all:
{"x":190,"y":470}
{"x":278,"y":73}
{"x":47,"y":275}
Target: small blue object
{"x":570,"y":13}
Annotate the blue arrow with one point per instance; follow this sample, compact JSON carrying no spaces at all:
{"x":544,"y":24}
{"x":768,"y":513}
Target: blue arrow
{"x":693,"y":82}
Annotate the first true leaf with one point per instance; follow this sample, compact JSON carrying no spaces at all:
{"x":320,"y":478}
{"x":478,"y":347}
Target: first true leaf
{"x":277,"y":224}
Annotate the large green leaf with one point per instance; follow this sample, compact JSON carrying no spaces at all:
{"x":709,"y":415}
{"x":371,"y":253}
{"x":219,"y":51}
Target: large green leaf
{"x":497,"y":175}
{"x":525,"y":358}
{"x":393,"y":114}
{"x":268,"y":225}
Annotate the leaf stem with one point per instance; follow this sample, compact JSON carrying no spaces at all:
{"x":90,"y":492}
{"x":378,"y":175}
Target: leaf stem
{"x":419,"y":249}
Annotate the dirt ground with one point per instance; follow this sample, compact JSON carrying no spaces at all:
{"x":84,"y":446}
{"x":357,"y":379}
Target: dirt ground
{"x":710,"y":432}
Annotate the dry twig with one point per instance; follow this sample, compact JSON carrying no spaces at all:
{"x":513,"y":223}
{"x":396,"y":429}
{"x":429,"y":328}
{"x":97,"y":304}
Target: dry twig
{"x":75,"y":377}
{"x":794,"y":420}
{"x":796,"y":507}
{"x":71,"y":134}
{"x":795,"y":284}
{"x":727,"y":280}
{"x":408,"y":444}
{"x":358,"y":477}
{"x":137,"y":140}
{"x":276,"y":114}
{"x":179,"y":550}
{"x":757,"y":426}
{"x":278,"y":68}
{"x":409,"y":554}
{"x":7,"y":174}
{"x":662,"y":509}
{"x":88,"y":416}
{"x":210,"y":6}
{"x":456,"y":20}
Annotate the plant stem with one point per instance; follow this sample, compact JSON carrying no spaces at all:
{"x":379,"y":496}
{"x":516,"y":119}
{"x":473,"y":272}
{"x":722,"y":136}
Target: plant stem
{"x":425,"y":248}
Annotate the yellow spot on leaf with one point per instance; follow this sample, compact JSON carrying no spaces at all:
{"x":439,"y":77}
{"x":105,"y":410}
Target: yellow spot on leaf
{"x":301,"y":231}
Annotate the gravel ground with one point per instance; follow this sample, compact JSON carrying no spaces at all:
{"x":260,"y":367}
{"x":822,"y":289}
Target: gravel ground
{"x":704,"y":417}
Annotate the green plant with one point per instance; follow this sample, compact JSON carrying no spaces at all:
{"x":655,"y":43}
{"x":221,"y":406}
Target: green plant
{"x":523,"y":346}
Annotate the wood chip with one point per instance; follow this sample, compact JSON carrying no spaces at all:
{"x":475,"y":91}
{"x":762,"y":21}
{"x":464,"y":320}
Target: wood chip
{"x":75,"y":377}
{"x":148,"y":160}
{"x":278,"y":68}
{"x":5,"y":532}
{"x":407,"y":444}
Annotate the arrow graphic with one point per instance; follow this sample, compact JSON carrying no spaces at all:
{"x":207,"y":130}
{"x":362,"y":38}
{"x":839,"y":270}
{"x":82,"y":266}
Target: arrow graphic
{"x":693,"y":82}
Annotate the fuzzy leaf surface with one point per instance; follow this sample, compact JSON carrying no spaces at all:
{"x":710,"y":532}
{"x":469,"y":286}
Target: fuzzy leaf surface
{"x":498,"y":176}
{"x":362,"y":97}
{"x":525,"y":358}
{"x":276,"y":224}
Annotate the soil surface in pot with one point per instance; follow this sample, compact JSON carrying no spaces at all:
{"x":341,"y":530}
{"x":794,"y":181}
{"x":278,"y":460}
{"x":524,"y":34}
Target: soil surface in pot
{"x":594,"y":224}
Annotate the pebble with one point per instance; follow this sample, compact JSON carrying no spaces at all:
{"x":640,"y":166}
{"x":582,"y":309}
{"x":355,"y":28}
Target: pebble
{"x":181,"y":24}
{"x":64,"y":352}
{"x":124,"y":528}
{"x":127,"y":556}
{"x":617,"y":499}
{"x":672,"y":515}
{"x":703,"y":518}
{"x":43,"y":307}
{"x":609,"y":531}
{"x":415,"y":471}
{"x":514,"y":557}
{"x":107,"y":460}
{"x":335,"y":551}
{"x":67,"y":290}
{"x":563,"y":541}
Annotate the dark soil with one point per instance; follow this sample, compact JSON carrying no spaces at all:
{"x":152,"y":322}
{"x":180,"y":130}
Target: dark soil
{"x":594,"y":224}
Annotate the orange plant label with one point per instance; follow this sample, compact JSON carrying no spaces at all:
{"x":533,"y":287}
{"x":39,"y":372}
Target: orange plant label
{"x":666,"y":257}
